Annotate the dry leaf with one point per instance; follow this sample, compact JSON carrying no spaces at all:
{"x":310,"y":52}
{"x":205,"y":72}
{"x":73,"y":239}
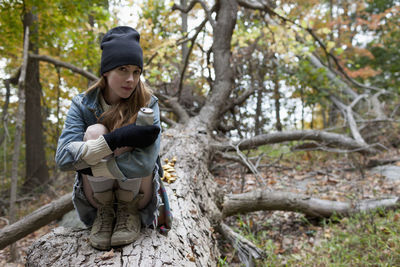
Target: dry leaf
{"x":191,"y":258}
{"x":107,"y":255}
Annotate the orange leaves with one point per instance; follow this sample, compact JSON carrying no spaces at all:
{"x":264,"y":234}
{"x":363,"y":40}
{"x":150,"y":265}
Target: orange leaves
{"x":362,"y":72}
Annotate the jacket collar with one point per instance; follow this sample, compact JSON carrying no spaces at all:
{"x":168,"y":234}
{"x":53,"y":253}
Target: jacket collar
{"x":91,"y":101}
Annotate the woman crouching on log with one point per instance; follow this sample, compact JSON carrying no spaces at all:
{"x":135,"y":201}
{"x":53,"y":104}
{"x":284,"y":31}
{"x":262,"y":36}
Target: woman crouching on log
{"x":111,"y":137}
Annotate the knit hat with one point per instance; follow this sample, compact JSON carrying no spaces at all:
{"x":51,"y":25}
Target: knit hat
{"x":120,"y":47}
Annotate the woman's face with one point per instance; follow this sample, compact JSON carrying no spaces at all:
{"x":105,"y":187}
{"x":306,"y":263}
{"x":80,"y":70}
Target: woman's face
{"x":121,"y":83}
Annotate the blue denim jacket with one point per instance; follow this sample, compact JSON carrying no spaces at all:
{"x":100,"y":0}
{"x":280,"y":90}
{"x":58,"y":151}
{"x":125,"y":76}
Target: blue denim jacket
{"x":140,"y":162}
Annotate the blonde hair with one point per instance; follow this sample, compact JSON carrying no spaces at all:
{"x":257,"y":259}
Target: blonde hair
{"x":125,"y":112}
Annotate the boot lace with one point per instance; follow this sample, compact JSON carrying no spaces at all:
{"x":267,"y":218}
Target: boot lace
{"x":106,"y":217}
{"x":123,"y":215}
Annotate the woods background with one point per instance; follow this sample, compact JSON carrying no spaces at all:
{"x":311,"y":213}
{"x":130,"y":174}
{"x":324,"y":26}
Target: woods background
{"x":250,"y":82}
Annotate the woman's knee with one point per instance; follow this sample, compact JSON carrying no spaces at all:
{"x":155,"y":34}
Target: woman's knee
{"x":94,"y":131}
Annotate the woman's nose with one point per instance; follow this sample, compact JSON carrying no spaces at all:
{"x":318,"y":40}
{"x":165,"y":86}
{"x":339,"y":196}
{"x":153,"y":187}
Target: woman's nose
{"x":130,"y":77}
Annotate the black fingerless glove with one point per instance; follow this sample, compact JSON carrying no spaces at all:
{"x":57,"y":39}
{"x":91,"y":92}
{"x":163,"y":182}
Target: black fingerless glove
{"x":132,"y":135}
{"x":87,"y":171}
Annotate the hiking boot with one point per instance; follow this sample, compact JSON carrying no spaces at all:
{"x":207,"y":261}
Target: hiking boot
{"x":100,"y":235}
{"x":127,"y":227}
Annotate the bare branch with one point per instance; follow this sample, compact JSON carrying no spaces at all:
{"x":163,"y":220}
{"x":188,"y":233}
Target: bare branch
{"x":249,"y":165}
{"x":331,"y":139}
{"x":259,"y":5}
{"x":187,"y":9}
{"x":208,"y":13}
{"x":172,"y":103}
{"x":377,"y":105}
{"x":332,"y":76}
{"x":167,"y":121}
{"x":246,"y":249}
{"x":190,"y":7}
{"x":287,"y":201}
{"x":240,"y":100}
{"x":186,"y":60}
{"x":352,"y":123}
{"x":59,"y":63}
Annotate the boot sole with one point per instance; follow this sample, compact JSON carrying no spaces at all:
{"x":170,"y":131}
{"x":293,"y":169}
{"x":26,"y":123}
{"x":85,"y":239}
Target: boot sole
{"x":100,"y":246}
{"x":117,"y":243}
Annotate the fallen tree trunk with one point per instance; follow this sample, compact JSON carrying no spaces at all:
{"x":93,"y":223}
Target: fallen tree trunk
{"x":39,"y":218}
{"x":287,"y":201}
{"x":192,"y":200}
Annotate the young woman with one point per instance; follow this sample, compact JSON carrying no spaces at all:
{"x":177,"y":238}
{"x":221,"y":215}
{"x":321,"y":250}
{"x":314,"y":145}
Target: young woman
{"x":117,"y":186}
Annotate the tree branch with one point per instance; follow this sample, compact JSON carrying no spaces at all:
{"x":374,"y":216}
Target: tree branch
{"x":90,"y":76}
{"x":331,"y":139}
{"x":30,"y":223}
{"x":246,"y":249}
{"x":187,"y":9}
{"x":167,"y":121}
{"x":352,"y":123}
{"x":249,"y":165}
{"x":240,"y":100}
{"x":287,"y":201}
{"x":172,"y":103}
{"x":186,"y":60}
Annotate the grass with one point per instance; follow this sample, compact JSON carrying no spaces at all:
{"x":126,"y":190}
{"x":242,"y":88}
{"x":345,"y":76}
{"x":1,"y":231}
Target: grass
{"x":364,"y":239}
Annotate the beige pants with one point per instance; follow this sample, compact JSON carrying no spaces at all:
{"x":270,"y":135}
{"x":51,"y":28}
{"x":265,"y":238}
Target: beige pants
{"x":101,"y":184}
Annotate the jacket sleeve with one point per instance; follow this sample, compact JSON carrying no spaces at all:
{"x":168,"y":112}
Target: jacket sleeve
{"x":140,"y":162}
{"x":70,"y":144}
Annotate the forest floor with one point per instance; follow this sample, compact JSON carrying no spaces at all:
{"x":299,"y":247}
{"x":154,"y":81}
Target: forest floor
{"x":336,"y":177}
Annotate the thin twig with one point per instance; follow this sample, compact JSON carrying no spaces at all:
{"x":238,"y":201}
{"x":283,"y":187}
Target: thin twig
{"x":249,"y":164}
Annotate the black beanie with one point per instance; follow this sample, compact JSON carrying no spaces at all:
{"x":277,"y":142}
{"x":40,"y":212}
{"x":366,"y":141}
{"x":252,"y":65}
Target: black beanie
{"x":120,"y":47}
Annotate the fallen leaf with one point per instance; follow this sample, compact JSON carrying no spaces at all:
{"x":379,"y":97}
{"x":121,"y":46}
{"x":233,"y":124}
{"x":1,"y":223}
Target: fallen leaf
{"x":107,"y":255}
{"x":191,"y":258}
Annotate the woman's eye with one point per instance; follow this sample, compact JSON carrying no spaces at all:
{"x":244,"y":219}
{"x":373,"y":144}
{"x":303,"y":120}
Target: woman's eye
{"x":136,"y":72}
{"x":122,"y":69}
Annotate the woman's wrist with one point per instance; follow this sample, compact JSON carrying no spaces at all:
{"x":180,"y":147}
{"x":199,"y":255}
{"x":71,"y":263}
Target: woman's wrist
{"x":96,"y":150}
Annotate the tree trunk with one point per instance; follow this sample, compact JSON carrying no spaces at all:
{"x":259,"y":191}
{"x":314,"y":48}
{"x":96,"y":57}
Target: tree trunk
{"x":277,"y":97}
{"x":18,"y":135}
{"x":36,"y":167}
{"x":189,"y":243}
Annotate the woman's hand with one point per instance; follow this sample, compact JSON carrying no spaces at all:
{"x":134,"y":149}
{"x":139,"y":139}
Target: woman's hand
{"x":132,"y":135}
